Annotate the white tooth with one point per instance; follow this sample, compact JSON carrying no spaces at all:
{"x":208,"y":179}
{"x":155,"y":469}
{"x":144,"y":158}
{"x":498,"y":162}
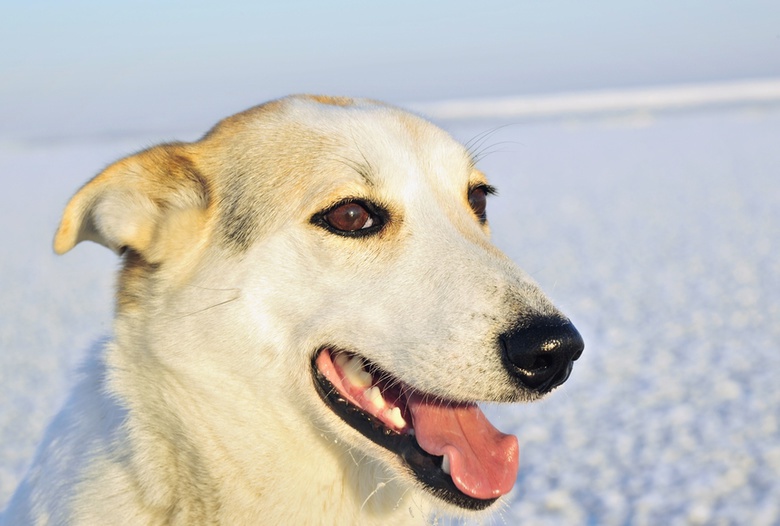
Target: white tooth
{"x":445,"y":464}
{"x":374,"y":395}
{"x":355,"y":373}
{"x":341,"y":360}
{"x":394,"y":415}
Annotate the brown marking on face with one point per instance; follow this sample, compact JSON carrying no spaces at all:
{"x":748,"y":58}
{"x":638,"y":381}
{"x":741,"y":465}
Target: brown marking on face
{"x":265,"y":169}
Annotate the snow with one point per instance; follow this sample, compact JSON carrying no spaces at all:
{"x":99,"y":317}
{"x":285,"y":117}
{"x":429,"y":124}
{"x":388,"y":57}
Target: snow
{"x":657,"y":233}
{"x":665,"y":98}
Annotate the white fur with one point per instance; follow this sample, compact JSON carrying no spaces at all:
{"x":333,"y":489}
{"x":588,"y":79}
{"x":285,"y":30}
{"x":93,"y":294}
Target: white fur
{"x":201,"y":408}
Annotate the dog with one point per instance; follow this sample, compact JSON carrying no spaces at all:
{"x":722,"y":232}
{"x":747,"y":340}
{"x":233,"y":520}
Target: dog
{"x":308,"y":311}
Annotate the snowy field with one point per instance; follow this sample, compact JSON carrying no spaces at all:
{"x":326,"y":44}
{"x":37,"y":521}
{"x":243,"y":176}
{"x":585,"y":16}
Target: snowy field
{"x":657,"y":233}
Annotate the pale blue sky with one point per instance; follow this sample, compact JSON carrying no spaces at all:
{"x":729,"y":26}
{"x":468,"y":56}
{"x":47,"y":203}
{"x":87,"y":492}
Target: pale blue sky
{"x":85,"y":66}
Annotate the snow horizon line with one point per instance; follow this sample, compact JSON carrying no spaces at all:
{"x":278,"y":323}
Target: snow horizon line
{"x":607,"y":100}
{"x":580,"y":104}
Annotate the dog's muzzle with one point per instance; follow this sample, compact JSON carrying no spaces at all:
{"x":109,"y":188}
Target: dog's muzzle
{"x":540,"y":354}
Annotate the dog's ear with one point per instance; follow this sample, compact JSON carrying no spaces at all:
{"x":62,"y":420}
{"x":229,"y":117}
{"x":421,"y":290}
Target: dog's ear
{"x":150,"y":202}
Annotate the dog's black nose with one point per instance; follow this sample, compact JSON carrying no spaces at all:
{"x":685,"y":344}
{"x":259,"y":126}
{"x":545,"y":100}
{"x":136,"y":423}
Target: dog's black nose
{"x":540,"y":354}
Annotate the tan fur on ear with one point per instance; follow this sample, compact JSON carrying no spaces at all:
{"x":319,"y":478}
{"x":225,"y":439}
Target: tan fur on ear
{"x":140,"y":202}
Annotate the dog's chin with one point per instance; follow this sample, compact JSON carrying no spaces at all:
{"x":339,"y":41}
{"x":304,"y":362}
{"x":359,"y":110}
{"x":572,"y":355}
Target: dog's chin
{"x":448,"y":447}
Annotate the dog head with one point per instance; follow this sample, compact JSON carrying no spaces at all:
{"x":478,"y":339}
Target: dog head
{"x":336,"y":253}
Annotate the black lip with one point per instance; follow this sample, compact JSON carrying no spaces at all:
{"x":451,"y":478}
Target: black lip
{"x":425,"y":467}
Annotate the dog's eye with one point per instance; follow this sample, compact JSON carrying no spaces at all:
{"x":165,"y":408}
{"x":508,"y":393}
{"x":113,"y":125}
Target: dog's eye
{"x":351,"y":218}
{"x":478,"y":201}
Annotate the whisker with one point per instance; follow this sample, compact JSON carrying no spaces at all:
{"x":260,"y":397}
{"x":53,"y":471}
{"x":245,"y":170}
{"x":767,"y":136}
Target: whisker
{"x":475,"y":143}
{"x":491,"y":149}
{"x":204,"y":309}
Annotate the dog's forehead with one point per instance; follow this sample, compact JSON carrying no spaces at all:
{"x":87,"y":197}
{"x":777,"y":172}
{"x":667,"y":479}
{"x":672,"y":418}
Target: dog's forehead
{"x":310,"y":150}
{"x":377,"y":134}
{"x":358,"y":131}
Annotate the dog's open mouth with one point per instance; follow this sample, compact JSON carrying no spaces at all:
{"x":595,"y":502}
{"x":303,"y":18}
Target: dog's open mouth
{"x":451,"y":448}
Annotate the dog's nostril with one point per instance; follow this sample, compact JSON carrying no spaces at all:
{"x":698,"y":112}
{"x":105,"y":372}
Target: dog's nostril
{"x":540,"y":355}
{"x":532,"y":362}
{"x":578,"y":353}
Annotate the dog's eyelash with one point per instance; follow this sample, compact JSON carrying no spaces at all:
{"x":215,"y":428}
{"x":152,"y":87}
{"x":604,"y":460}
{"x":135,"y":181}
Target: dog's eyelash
{"x":488,"y":188}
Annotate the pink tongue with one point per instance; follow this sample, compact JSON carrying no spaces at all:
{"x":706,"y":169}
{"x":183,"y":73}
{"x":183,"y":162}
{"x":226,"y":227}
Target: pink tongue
{"x":483,"y":460}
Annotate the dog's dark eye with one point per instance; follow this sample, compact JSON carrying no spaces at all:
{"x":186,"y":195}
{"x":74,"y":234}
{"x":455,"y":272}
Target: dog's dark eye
{"x":478,"y":201}
{"x":351,"y":218}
